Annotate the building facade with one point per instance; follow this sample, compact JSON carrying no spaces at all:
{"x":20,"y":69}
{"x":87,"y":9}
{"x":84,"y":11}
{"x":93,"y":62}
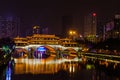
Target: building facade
{"x":9,"y":26}
{"x":112,"y":28}
{"x":90,"y":26}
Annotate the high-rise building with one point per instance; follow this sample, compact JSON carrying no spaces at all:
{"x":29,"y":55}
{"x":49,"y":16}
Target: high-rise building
{"x":9,"y":26}
{"x":90,"y":27}
{"x":117,"y":25}
{"x":112,"y":28}
{"x":90,"y":24}
{"x":108,"y":29}
{"x":67,"y":24}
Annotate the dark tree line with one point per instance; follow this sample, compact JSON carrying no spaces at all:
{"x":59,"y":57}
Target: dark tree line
{"x":109,"y":44}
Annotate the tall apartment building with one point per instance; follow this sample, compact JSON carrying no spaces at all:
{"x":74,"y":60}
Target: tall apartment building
{"x":90,"y":26}
{"x":9,"y":26}
{"x":112,"y":28}
{"x":108,"y":29}
{"x":117,"y":26}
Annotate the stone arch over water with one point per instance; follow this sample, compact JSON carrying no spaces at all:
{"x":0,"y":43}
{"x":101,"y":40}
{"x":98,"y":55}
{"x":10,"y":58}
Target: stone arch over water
{"x":20,"y":52}
{"x":69,"y":52}
{"x":43,"y":51}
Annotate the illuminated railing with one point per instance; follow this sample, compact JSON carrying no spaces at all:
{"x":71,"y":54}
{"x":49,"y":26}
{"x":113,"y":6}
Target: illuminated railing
{"x":109,"y":58}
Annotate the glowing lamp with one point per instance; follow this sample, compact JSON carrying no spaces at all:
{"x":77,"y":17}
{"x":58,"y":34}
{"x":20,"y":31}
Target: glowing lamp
{"x":94,"y":14}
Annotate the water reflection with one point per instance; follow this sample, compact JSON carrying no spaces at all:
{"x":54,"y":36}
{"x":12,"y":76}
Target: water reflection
{"x":39,"y":66}
{"x":6,"y":71}
{"x":60,"y":69}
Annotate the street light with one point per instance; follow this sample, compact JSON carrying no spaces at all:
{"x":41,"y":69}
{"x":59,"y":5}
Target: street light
{"x":72,"y":33}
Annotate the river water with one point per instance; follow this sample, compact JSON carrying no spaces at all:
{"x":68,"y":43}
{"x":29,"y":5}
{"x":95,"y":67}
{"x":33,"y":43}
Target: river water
{"x":53,"y":69}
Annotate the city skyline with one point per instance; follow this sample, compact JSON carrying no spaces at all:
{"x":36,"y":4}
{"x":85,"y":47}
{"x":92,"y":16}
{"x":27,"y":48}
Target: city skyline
{"x":49,"y":13}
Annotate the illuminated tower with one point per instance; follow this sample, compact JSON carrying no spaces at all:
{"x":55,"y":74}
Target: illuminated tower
{"x":90,"y":27}
{"x":90,"y":24}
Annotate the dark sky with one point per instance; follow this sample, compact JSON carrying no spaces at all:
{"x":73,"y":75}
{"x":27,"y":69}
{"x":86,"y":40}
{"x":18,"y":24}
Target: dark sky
{"x":48,"y":13}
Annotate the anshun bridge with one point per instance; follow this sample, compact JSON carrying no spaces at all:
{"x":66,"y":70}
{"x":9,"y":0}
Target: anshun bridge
{"x":42,"y":43}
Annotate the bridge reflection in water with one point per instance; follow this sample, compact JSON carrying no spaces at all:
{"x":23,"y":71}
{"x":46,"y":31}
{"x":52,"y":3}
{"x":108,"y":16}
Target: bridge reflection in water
{"x":43,"y":66}
{"x":55,"y":69}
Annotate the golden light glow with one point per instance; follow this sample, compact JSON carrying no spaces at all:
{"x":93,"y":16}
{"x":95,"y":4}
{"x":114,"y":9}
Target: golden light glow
{"x":71,"y":32}
{"x":35,"y":27}
{"x":37,"y":66}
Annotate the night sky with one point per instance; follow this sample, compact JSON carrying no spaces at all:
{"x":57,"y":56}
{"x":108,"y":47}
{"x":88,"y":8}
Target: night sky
{"x":48,"y":13}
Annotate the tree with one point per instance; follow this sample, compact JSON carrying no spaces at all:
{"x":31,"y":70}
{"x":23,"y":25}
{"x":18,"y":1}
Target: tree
{"x":7,"y":44}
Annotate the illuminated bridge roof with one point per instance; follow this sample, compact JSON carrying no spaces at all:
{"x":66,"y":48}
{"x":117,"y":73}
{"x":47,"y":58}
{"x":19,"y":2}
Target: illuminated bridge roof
{"x":44,"y":39}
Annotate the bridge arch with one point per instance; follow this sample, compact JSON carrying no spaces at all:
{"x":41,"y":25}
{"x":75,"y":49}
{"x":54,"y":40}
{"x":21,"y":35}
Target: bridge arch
{"x":51,"y":49}
{"x":70,"y":51}
{"x":20,"y":52}
{"x":43,"y":51}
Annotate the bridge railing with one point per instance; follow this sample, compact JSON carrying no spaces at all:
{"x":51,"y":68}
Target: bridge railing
{"x":99,"y":56}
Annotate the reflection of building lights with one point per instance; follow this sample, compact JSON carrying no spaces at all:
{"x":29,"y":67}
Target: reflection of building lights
{"x":88,"y":66}
{"x":40,"y":66}
{"x":117,"y":32}
{"x":73,"y":69}
{"x":70,"y":69}
{"x":8,"y":72}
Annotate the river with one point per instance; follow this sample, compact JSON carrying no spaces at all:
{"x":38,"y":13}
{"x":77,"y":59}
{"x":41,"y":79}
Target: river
{"x":53,"y":69}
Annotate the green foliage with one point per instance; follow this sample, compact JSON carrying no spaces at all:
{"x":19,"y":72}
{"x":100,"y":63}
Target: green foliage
{"x":5,"y":48}
{"x":7,"y":44}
